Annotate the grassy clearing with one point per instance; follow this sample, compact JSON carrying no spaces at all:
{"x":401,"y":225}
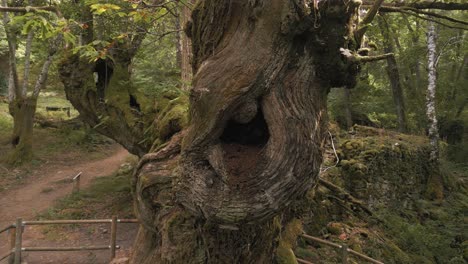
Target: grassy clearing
{"x":106,"y":196}
{"x":50,"y":145}
{"x":6,"y":121}
{"x":53,"y":99}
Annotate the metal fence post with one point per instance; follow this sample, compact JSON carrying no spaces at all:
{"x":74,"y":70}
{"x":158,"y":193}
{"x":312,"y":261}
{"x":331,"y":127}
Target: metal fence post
{"x":76,"y":183}
{"x":113,"y":238}
{"x":19,"y":240}
{"x":12,"y":233}
{"x":344,"y":254}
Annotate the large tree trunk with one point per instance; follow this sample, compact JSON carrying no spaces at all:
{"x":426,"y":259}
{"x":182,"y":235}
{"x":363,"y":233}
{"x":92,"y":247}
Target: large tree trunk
{"x":218,"y":191}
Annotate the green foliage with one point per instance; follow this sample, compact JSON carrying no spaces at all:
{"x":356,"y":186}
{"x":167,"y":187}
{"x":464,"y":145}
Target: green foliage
{"x":373,"y":96}
{"x":3,"y":41}
{"x":155,"y":66}
{"x":6,"y":121}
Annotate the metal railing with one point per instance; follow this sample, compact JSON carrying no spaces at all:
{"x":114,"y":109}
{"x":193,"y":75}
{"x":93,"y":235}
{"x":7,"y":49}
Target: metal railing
{"x":16,"y":237}
{"x":17,"y":233}
{"x":344,"y":250}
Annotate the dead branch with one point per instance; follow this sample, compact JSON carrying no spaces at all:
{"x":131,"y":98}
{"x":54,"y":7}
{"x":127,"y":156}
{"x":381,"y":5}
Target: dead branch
{"x":347,"y":196}
{"x":353,"y":57}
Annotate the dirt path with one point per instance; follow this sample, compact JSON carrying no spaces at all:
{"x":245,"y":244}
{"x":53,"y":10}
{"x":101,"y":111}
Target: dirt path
{"x":39,"y":192}
{"x":42,"y":188}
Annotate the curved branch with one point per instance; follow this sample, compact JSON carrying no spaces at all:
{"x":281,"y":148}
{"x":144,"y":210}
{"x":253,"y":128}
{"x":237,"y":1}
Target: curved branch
{"x":429,"y":19}
{"x":406,"y":10}
{"x":435,"y":15}
{"x":421,"y":5}
{"x":353,"y":57}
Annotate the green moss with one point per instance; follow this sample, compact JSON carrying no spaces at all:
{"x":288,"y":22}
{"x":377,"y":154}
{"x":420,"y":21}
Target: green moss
{"x":173,"y":118}
{"x":284,"y":252}
{"x":335,"y":228}
{"x":465,"y":249}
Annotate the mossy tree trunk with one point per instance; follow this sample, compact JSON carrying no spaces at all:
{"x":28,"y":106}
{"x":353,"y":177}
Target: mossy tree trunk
{"x":224,"y":190}
{"x":105,"y":96}
{"x":23,"y":111}
{"x":21,"y":105}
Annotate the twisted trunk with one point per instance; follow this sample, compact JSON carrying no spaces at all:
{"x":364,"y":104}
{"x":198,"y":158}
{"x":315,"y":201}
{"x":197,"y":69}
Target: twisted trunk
{"x":219,"y":192}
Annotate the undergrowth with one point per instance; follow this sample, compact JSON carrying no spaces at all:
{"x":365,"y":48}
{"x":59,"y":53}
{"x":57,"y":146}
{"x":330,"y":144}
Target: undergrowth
{"x":106,"y":196}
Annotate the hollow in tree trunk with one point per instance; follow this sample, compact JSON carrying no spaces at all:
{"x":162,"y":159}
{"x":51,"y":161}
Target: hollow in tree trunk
{"x":224,"y":189}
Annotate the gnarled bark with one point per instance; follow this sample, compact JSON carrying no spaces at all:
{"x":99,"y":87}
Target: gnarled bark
{"x":219,"y":192}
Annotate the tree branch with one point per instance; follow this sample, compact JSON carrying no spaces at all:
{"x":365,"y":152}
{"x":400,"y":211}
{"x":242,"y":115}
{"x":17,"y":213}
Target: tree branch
{"x":408,"y":10}
{"x":367,"y":20}
{"x":420,"y":5}
{"x":371,"y":13}
{"x":27,"y":62}
{"x":428,"y":19}
{"x":13,"y":85}
{"x":363,"y":59}
{"x":348,"y":197}
{"x":28,"y":9}
{"x":435,"y":15}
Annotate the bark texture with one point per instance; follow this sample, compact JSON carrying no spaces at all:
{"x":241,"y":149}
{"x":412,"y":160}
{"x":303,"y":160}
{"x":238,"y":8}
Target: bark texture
{"x":219,"y":192}
{"x":431,"y":92}
{"x":185,"y":46}
{"x":435,"y":188}
{"x":23,"y":111}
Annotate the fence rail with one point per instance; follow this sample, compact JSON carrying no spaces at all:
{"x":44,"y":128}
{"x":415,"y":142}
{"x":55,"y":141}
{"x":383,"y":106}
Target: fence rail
{"x":16,"y":237}
{"x":344,"y":250}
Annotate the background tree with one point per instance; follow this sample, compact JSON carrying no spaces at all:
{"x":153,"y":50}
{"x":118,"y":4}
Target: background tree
{"x":185,"y":45}
{"x":23,"y":105}
{"x":4,"y":68}
{"x":98,"y":76}
{"x":393,"y":75}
